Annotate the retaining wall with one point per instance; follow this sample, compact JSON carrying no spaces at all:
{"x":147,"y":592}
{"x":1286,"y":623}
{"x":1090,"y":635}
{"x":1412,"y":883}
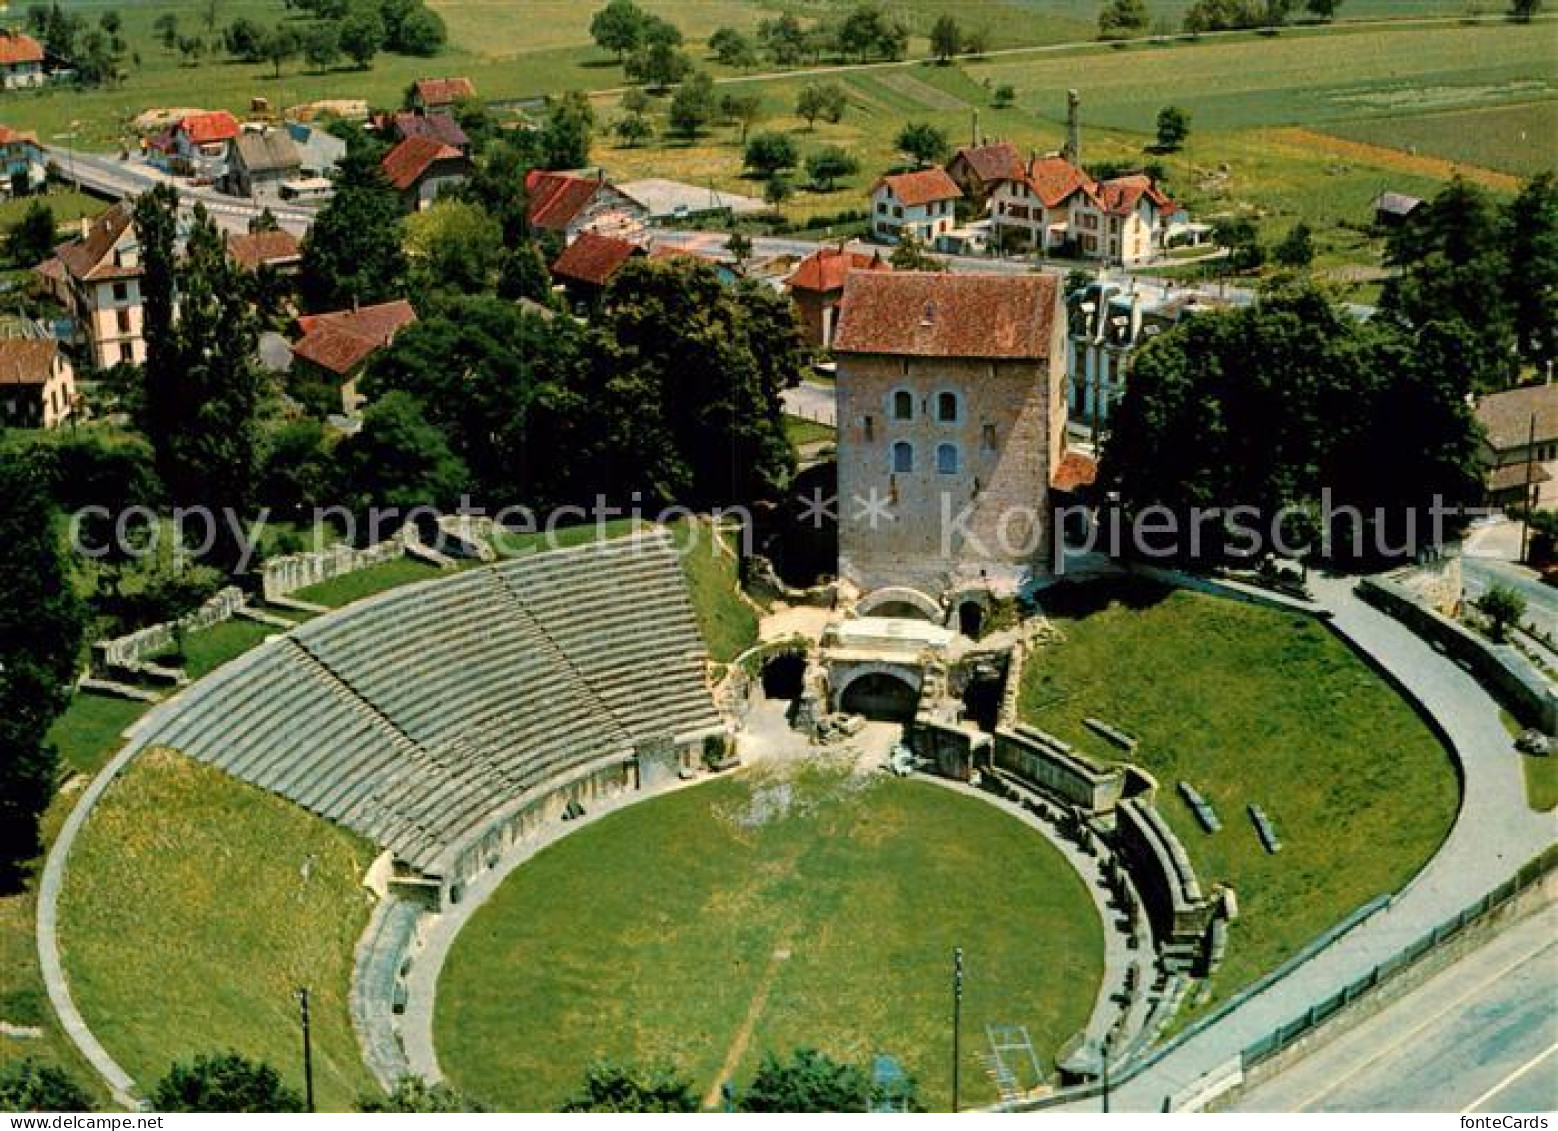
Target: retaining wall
{"x":128,"y":651}
{"x":1053,"y":767}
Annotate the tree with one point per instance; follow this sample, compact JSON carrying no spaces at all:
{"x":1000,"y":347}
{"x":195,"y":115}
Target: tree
{"x":924,"y":142}
{"x":524,"y":274}
{"x":910,"y":255}
{"x":828,"y":164}
{"x":27,"y":1085}
{"x":946,"y":38}
{"x":570,"y":125}
{"x":1504,"y":607}
{"x":415,"y":1096}
{"x":399,"y":460}
{"x":192,"y":49}
{"x":771,"y":153}
{"x":454,"y":245}
{"x":280,"y":46}
{"x":166,"y":27}
{"x":636,"y":101}
{"x":1530,"y":224}
{"x":1003,"y":96}
{"x":224,"y":1083}
{"x":777,"y":190}
{"x":732,"y":48}
{"x":867,"y":32}
{"x":245,"y":39}
{"x":322,"y":44}
{"x":744,"y":109}
{"x":42,"y":624}
{"x":825,"y":100}
{"x":611,"y":1087}
{"x":1173,"y":128}
{"x":353,"y":252}
{"x":420,"y":32}
{"x":692,"y":107}
{"x":1522,"y":11}
{"x":809,"y":1082}
{"x":633,"y":129}
{"x":32,"y":238}
{"x":619,"y":27}
{"x":739,"y":245}
{"x":1297,"y":248}
{"x":659,"y":64}
{"x":1122,"y":19}
{"x":1323,"y":9}
{"x":783,"y":40}
{"x":362,"y":35}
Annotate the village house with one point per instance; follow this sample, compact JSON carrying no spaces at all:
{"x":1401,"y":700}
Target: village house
{"x":333,"y":350}
{"x":23,"y":167}
{"x":440,"y":93}
{"x":261,"y":162}
{"x":951,"y":421}
{"x":567,"y":205}
{"x":319,"y":151}
{"x":97,"y":277}
{"x":1053,"y":207}
{"x":420,"y":168}
{"x":21,"y":61}
{"x":921,"y":205}
{"x":976,"y":169}
{"x":1520,"y":445}
{"x":278,"y":250}
{"x":438,"y":126}
{"x":1391,"y":209}
{"x":37,"y":384}
{"x":817,"y":288}
{"x":587,"y":266}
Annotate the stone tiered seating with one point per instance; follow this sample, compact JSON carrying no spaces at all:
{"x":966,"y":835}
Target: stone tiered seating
{"x":415,"y":718}
{"x":620,"y":612}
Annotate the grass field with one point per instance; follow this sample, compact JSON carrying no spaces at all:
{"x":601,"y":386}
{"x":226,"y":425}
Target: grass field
{"x":89,"y":731}
{"x":195,"y":907}
{"x":1520,"y":139}
{"x":210,"y":648}
{"x":367,"y":582}
{"x":1255,"y":706}
{"x":802,"y":432}
{"x":758,"y":913}
{"x":728,"y":621}
{"x":1541,"y":777}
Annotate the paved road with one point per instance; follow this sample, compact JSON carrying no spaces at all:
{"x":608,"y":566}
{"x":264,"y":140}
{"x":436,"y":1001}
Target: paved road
{"x":1480,"y":1036}
{"x":1478,"y":575}
{"x":812,"y":401}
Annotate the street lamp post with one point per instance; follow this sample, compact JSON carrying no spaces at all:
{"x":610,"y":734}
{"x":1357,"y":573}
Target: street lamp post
{"x":308,"y":1049}
{"x":957,"y":1022}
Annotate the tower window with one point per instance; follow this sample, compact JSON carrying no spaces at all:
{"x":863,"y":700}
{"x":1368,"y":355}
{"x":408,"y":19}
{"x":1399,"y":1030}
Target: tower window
{"x":947,"y":408}
{"x":903,"y":405}
{"x":903,"y":457}
{"x":947,"y":459}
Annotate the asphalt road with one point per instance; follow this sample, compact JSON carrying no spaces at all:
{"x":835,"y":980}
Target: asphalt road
{"x":1480,"y":1036}
{"x":1478,"y":575}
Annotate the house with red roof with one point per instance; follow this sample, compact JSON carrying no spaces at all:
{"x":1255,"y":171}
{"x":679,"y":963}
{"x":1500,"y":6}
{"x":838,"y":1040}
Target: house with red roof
{"x":977,"y":169}
{"x":920,"y":204}
{"x":440,"y":93}
{"x":420,"y":168}
{"x":333,"y":349}
{"x":587,"y":266}
{"x":437,"y":125}
{"x":37,"y":384}
{"x":97,"y":277}
{"x":197,"y":145}
{"x":278,"y":250}
{"x":1051,"y":205}
{"x":816,"y":286}
{"x":23,"y":167}
{"x":567,"y":204}
{"x":21,"y":61}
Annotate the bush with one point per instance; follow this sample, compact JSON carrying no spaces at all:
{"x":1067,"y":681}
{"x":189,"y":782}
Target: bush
{"x":1504,"y":608}
{"x":26,"y":1085}
{"x":224,"y":1083}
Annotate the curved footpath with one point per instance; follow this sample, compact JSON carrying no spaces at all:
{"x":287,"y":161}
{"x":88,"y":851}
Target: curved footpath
{"x":1495,"y":833}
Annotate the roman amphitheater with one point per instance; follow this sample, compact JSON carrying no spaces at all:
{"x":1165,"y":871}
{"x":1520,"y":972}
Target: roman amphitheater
{"x":532,"y":823}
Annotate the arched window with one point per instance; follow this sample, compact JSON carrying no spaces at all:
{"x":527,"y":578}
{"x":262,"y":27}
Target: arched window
{"x":947,"y":459}
{"x":903,"y":457}
{"x":903,"y":405}
{"x":949,"y":407}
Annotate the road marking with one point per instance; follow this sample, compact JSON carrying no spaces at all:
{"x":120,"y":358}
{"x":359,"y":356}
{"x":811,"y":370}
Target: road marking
{"x":1409,"y":1034}
{"x":1510,"y":1079}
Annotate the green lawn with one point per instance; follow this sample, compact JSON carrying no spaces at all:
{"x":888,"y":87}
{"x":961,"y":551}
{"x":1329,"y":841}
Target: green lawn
{"x":195,"y":907}
{"x":366,"y":582}
{"x":1255,"y":706}
{"x":1541,"y":776}
{"x":1521,"y":139}
{"x":801,"y":432}
{"x":210,"y":648}
{"x":517,"y":545}
{"x":728,"y":621}
{"x":89,"y":731}
{"x":67,"y":205}
{"x":823,"y":907}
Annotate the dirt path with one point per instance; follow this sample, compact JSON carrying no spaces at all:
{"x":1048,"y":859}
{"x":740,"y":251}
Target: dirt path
{"x":743,"y":1037}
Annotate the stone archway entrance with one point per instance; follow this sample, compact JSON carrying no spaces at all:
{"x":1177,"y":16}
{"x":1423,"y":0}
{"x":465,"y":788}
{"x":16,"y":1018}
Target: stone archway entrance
{"x":971,"y":619}
{"x":784,"y":676}
{"x":882,"y":696}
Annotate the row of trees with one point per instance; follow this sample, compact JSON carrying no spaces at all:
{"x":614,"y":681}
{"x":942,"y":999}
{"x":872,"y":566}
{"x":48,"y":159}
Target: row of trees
{"x":96,"y":52}
{"x":355,"y":31}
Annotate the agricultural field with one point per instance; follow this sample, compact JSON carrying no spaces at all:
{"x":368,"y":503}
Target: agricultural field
{"x":760,"y":912}
{"x":1253,"y":706}
{"x":232,"y":898}
{"x":1521,"y":139}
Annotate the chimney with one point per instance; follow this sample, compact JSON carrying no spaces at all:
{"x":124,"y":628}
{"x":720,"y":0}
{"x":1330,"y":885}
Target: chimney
{"x":973,"y":137}
{"x":1074,"y":127}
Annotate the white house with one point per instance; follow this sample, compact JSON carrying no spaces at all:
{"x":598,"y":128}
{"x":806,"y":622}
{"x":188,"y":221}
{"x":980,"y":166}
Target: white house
{"x":1054,"y":206}
{"x":921,"y":204}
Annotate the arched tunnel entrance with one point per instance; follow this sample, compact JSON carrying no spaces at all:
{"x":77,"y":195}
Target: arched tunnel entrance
{"x":784,"y":676}
{"x":881,"y":696}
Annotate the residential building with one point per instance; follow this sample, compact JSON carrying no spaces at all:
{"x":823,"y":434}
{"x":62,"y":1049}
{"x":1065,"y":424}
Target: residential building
{"x":1391,"y":209}
{"x":37,"y":383}
{"x":566,"y":205}
{"x":333,"y":349}
{"x":261,"y":162}
{"x":1520,"y":445}
{"x":817,"y":288}
{"x":279,"y":250}
{"x":977,"y":169}
{"x":951,"y":421}
{"x":98,"y":279}
{"x":1054,"y":207}
{"x":21,"y":61}
{"x":919,"y":204}
{"x":319,"y":151}
{"x":440,"y":93}
{"x":587,"y":266}
{"x":197,"y":144}
{"x":23,"y":167}
{"x":420,"y":168}
{"x":439,"y":126}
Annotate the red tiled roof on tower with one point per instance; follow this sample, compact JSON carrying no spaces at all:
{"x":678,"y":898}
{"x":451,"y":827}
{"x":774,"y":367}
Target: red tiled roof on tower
{"x":594,"y":259}
{"x":925,"y":187}
{"x":407,"y":162}
{"x":925,"y":314}
{"x":827,"y":268}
